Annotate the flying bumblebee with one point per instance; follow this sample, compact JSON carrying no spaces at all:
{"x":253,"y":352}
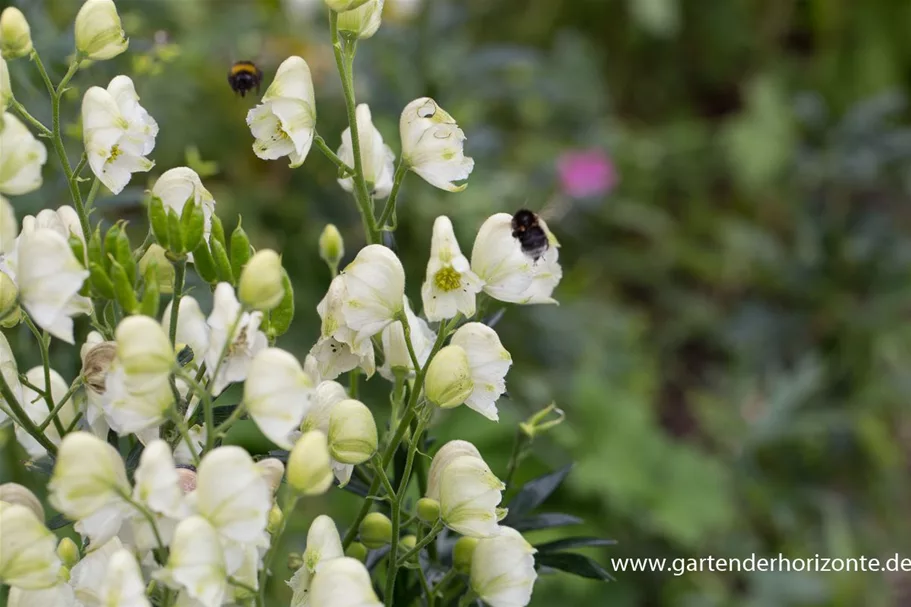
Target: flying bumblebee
{"x":526,"y":228}
{"x":245,"y":76}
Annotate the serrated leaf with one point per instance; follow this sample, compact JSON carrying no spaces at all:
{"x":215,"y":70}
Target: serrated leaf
{"x":573,"y":542}
{"x":547,"y":520}
{"x":576,"y":564}
{"x":534,"y":492}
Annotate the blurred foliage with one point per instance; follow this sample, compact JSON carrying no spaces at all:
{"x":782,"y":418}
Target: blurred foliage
{"x":730,"y":347}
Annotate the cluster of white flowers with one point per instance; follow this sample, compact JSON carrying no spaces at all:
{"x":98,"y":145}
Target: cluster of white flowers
{"x":196,"y":522}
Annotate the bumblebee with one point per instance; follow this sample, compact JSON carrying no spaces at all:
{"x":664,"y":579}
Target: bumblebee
{"x":526,"y":228}
{"x":245,"y":76}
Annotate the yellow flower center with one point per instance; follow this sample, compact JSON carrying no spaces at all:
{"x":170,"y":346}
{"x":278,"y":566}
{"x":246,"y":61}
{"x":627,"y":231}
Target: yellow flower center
{"x":115,"y":152}
{"x":447,"y":279}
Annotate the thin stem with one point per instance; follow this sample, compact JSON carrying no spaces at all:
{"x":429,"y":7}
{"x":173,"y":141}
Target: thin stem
{"x":238,"y":412}
{"x":332,"y":156}
{"x":237,"y":583}
{"x":389,"y":209}
{"x":412,"y":449}
{"x":43,"y":340}
{"x":150,"y":518}
{"x":516,"y":457}
{"x":23,"y":419}
{"x":39,"y":126}
{"x":77,"y":171}
{"x":93,"y":191}
{"x":290,"y":503}
{"x":353,"y":377}
{"x":393,"y":552}
{"x":53,"y":414}
{"x":431,"y":535}
{"x":444,"y":581}
{"x":365,"y":509}
{"x":73,"y":423}
{"x":180,"y":270}
{"x":184,"y":433}
{"x":403,"y":318}
{"x":381,"y":474}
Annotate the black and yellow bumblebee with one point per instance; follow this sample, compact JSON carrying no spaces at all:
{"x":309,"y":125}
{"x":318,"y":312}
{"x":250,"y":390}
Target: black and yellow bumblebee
{"x":245,"y":76}
{"x":526,"y":228}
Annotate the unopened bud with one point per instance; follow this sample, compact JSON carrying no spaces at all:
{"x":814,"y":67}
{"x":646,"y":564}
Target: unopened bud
{"x":363,"y":21}
{"x":164,"y":271}
{"x":340,"y":6}
{"x":428,"y":510}
{"x":9,"y":306}
{"x":462,"y":553}
{"x":14,"y":493}
{"x":539,"y":424}
{"x":375,"y":530}
{"x":260,"y":284}
{"x":63,"y":575}
{"x":408,"y":542}
{"x":357,"y":551}
{"x":6,"y":89}
{"x":68,"y":552}
{"x":15,"y":34}
{"x":309,"y":468}
{"x":272,"y":470}
{"x":275,"y":519}
{"x":331,"y":246}
{"x":352,"y":432}
{"x":99,"y":34}
{"x":448,"y":382}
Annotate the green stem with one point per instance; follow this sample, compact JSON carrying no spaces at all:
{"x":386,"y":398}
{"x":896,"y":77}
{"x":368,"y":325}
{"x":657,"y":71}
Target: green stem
{"x":238,"y":412}
{"x":20,"y":109}
{"x":96,"y":183}
{"x":431,"y":535}
{"x":381,"y":474}
{"x":365,"y":509}
{"x":23,"y":419}
{"x":180,"y":271}
{"x":43,"y":340}
{"x":332,"y":156}
{"x":412,"y":449}
{"x":290,"y":503}
{"x":73,"y":423}
{"x":78,"y":170}
{"x":353,"y":377}
{"x":389,"y":209}
{"x":516,"y":457}
{"x":150,"y":518}
{"x":444,"y":581}
{"x":210,"y":429}
{"x":393,"y":552}
{"x":53,"y":414}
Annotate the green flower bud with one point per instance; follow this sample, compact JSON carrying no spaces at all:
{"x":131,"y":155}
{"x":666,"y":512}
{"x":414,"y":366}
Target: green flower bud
{"x":331,"y":246}
{"x":68,"y":552}
{"x":408,"y":543}
{"x":462,"y":553}
{"x":448,"y":382}
{"x":352,"y":432}
{"x":362,"y":22}
{"x":9,"y":294}
{"x":222,"y":264}
{"x":218,"y":231}
{"x":205,"y":265}
{"x":241,"y":251}
{"x":309,"y":468}
{"x":15,"y":34}
{"x":99,"y":34}
{"x":151,"y":297}
{"x":192,"y":224}
{"x":95,"y":253}
{"x":340,"y":6}
{"x":158,"y":219}
{"x":156,"y":258}
{"x":175,"y":235}
{"x":14,"y":493}
{"x":100,"y":280}
{"x":260,"y":285}
{"x":280,"y":318}
{"x":124,"y":254}
{"x":428,"y":510}
{"x":375,"y":530}
{"x":123,"y":288}
{"x":275,"y":519}
{"x":357,"y":551}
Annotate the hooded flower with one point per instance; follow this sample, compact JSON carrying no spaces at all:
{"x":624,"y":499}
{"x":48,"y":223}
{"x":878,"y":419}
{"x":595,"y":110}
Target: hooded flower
{"x":192,"y":328}
{"x":323,"y":544}
{"x":123,"y":585}
{"x":503,"y":569}
{"x":338,"y":349}
{"x":97,"y":356}
{"x":467,"y":490}
{"x":99,"y":34}
{"x":118,"y":132}
{"x":36,"y":408}
{"x":489,"y":362}
{"x":9,"y":228}
{"x":325,"y":397}
{"x":176,"y":186}
{"x":6,"y":91}
{"x":277,"y":394}
{"x":395,"y":347}
{"x":87,"y":576}
{"x":242,"y":344}
{"x":342,"y":582}
{"x":64,"y":221}
{"x":450,"y":286}
{"x":60,"y":595}
{"x":196,"y":564}
{"x":28,"y":557}
{"x":21,"y":157}
{"x":376,"y":157}
{"x":375,"y":284}
{"x":432,"y":145}
{"x":283,"y":124}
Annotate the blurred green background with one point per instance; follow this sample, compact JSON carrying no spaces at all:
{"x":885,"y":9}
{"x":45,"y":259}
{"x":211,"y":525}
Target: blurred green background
{"x":730,"y":349}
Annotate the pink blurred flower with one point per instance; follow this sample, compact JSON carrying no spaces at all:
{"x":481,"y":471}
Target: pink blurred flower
{"x":586,"y":173}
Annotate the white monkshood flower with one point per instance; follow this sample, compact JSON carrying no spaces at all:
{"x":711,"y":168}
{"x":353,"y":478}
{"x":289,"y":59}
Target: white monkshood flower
{"x":375,"y":284}
{"x":396,"y":348}
{"x":323,"y":544}
{"x":377,"y":158}
{"x":196,"y":563}
{"x":232,"y":494}
{"x":192,"y":328}
{"x":283,"y":124}
{"x":118,"y":133}
{"x":337,"y":350}
{"x":10,"y":371}
{"x":489,"y":362}
{"x":176,"y":186}
{"x":28,"y":550}
{"x":342,"y":582}
{"x":88,"y":485}
{"x":448,"y":382}
{"x":9,"y":228}
{"x":507,"y":272}
{"x":87,"y":576}
{"x":327,"y":395}
{"x":198,"y":437}
{"x":60,"y":595}
{"x":36,"y":408}
{"x":123,"y":585}
{"x":243,"y":343}
{"x":6,"y":89}
{"x":450,"y":286}
{"x":15,"y":34}
{"x":432,"y":145}
{"x":277,"y":395}
{"x":49,"y":278}
{"x":64,"y":221}
{"x":340,"y":6}
{"x":503,"y":569}
{"x":157,"y":482}
{"x":99,"y":34}
{"x":467,"y":490}
{"x":137,"y":389}
{"x":21,"y":157}
{"x":362,"y":22}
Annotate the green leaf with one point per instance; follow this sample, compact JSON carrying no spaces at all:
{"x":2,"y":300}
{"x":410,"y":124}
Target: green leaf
{"x":534,"y":492}
{"x":576,"y":564}
{"x":546,"y":520}
{"x":573,"y":542}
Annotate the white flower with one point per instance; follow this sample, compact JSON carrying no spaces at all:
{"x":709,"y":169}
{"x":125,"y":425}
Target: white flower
{"x":342,"y":582}
{"x":277,"y":394}
{"x":97,"y":356}
{"x":503,"y":569}
{"x":123,"y":585}
{"x":448,"y":380}
{"x":198,"y":437}
{"x":49,"y":278}
{"x":176,"y":186}
{"x":157,"y":481}
{"x":138,"y":392}
{"x":242,"y":344}
{"x":87,"y":486}
{"x":450,"y":285}
{"x":21,"y":157}
{"x":338,"y":349}
{"x":375,"y":284}
{"x":36,"y":408}
{"x":432,"y":145}
{"x":283,"y":124}
{"x":196,"y":563}
{"x":15,"y":34}
{"x":362,"y":22}
{"x":192,"y":328}
{"x":28,"y":557}
{"x":118,"y":133}
{"x":395,"y":347}
{"x":10,"y":371}
{"x":99,"y":34}
{"x":507,"y":272}
{"x":327,"y":395}
{"x":489,"y":362}
{"x":9,"y":228}
{"x":60,"y":595}
{"x":87,"y":576}
{"x":323,"y":544}
{"x":340,"y":6}
{"x":6,"y":90}
{"x":64,"y":221}
{"x":261,"y":282}
{"x":376,"y":157}
{"x":467,"y":490}
{"x":352,"y":432}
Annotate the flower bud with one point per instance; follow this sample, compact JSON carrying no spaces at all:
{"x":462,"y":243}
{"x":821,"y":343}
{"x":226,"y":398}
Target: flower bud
{"x":273,"y":470}
{"x":9,"y":306}
{"x":15,"y":34}
{"x":408,"y":542}
{"x":331,"y":246}
{"x":448,"y":381}
{"x":99,"y":34}
{"x":363,"y":21}
{"x":260,"y":284}
{"x":6,"y":89}
{"x":352,"y":432}
{"x":309,"y":469}
{"x":164,"y":271}
{"x":357,"y":550}
{"x":14,"y":493}
{"x":343,"y":581}
{"x":27,"y":549}
{"x":68,"y":552}
{"x":428,"y":510}
{"x":275,"y":519}
{"x":503,"y":569}
{"x":375,"y":530}
{"x":96,"y":361}
{"x":462,"y":553}
{"x":340,"y":6}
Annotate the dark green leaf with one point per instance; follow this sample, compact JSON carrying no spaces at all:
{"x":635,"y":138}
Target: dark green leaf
{"x":57,"y":522}
{"x":185,"y":356}
{"x":534,"y":492}
{"x":576,"y":564}
{"x":573,"y":542}
{"x":547,"y":520}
